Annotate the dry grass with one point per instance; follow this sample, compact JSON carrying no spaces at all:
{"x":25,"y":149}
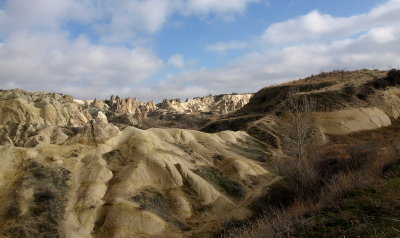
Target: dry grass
{"x":182,"y":121}
{"x":351,"y":162}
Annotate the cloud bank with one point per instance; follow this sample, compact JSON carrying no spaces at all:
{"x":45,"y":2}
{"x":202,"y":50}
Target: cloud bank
{"x":44,"y":45}
{"x":303,"y":46}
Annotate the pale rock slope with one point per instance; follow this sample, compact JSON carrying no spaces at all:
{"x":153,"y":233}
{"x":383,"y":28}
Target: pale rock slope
{"x":40,"y":108}
{"x":66,"y":171}
{"x":137,"y":183}
{"x":93,"y":180}
{"x":220,"y":104}
{"x":27,"y":119}
{"x":215,"y":105}
{"x":344,"y":102}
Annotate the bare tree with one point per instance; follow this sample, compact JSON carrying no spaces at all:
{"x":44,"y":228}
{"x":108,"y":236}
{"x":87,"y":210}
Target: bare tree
{"x":299,"y":137}
{"x":301,"y":125}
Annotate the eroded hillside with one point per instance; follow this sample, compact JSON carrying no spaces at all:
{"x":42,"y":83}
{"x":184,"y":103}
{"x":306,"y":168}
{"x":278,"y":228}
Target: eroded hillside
{"x":170,"y":113}
{"x":345,"y":102}
{"x":67,"y":172}
{"x":73,"y":168}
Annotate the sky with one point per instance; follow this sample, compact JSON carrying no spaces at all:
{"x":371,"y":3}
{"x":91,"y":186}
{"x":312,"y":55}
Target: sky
{"x":155,"y":49}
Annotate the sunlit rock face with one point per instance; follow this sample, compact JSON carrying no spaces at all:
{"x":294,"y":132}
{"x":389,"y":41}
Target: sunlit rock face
{"x":221,"y":104}
{"x":217,"y":105}
{"x":103,"y":182}
{"x":120,"y":106}
{"x":41,"y":108}
{"x":66,"y":166}
{"x":69,"y":169}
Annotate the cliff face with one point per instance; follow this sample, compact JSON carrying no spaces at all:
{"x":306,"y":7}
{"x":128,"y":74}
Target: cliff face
{"x":215,"y":105}
{"x":102,"y":182}
{"x":345,"y":102}
{"x":66,"y":171}
{"x":41,"y":108}
{"x":28,"y":119}
{"x":131,"y":106}
{"x":221,"y":104}
{"x":115,"y":104}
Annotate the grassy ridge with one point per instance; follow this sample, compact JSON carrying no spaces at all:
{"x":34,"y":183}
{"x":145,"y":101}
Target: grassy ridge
{"x":369,"y":212}
{"x":349,"y":188}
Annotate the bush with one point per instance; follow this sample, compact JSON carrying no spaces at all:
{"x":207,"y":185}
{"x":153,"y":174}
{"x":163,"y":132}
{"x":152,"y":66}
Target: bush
{"x":229,"y":186}
{"x":349,"y":90}
{"x":366,"y":91}
{"x":45,"y":196}
{"x":380,"y":83}
{"x":13,"y":211}
{"x":354,"y":161}
{"x":362,"y":96}
{"x":393,"y":76}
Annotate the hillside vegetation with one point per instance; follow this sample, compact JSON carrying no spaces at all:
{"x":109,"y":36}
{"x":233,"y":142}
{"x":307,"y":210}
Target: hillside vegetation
{"x":355,"y":192}
{"x":113,"y":168}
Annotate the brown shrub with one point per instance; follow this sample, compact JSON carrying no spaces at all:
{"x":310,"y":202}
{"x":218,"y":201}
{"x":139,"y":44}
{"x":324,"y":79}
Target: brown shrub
{"x":357,"y":162}
{"x":393,"y":76}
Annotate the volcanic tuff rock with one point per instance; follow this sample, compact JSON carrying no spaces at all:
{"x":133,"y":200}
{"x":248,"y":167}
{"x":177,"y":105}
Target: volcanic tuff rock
{"x":344,"y":102}
{"x":216,"y":105}
{"x":96,"y":131}
{"x":41,"y":108}
{"x":220,"y":104}
{"x":156,"y":182}
{"x":117,"y":105}
{"x":29,"y":119}
{"x":67,"y":172}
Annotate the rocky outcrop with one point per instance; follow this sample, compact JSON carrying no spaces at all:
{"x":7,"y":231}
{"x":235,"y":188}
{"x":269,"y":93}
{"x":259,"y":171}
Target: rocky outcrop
{"x":150,"y":183}
{"x":351,"y":120}
{"x":31,"y":119}
{"x":220,"y":104}
{"x":215,"y":105}
{"x":129,"y":106}
{"x":344,"y":102}
{"x":124,"y":119}
{"x":96,"y":131}
{"x":41,"y":108}
{"x":67,"y":172}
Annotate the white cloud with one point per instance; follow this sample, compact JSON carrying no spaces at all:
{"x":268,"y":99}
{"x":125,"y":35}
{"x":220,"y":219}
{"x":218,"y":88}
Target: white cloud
{"x":383,"y":34}
{"x":37,"y":51}
{"x":160,"y":91}
{"x":130,"y":16}
{"x":223,"y":47}
{"x":303,"y":53}
{"x":177,"y":61}
{"x":43,"y":15}
{"x":318,"y":26}
{"x":257,"y":70}
{"x":52,"y":62}
{"x":218,"y":7}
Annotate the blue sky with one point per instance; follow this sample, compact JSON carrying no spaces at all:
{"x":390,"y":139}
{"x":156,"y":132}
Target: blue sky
{"x":155,"y":49}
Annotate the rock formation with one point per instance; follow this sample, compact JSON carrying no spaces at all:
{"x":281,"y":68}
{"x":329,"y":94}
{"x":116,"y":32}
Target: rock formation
{"x":215,"y":105}
{"x":157,"y":182}
{"x":66,"y":171}
{"x":345,"y":102}
{"x":96,"y":131}
{"x":65,"y":168}
{"x":29,"y":119}
{"x":41,"y":108}
{"x":220,"y":104}
{"x":129,"y":106}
